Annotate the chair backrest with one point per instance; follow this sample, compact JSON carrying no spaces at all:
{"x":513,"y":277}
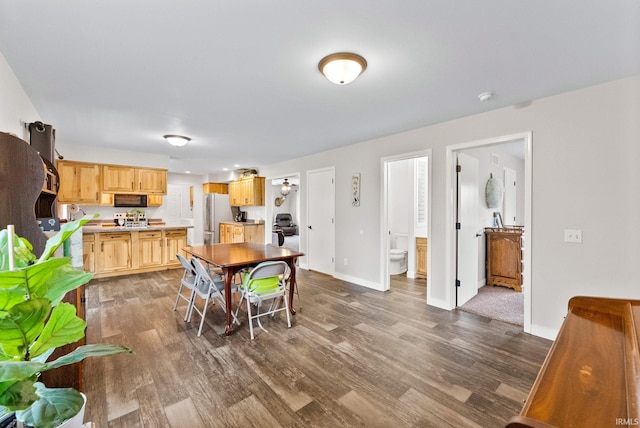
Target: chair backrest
{"x":200,"y":269}
{"x":186,"y":264}
{"x":284,"y":219}
{"x":266,"y":276}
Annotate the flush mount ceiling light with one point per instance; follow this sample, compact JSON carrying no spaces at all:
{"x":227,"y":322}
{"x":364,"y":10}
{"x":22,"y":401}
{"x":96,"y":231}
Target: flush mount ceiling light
{"x":343,"y":67}
{"x":177,"y":140}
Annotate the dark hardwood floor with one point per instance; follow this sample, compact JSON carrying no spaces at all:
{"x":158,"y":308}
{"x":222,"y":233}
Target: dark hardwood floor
{"x":352,"y":358}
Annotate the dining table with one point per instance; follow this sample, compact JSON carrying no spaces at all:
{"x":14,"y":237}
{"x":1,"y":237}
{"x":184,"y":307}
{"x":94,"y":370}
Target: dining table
{"x":233,"y":257}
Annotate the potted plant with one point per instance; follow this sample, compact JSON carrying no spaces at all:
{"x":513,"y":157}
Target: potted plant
{"x":34,"y":322}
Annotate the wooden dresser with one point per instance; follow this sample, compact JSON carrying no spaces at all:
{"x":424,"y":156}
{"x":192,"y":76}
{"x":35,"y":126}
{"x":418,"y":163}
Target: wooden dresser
{"x":591,"y":376}
{"x":504,"y":256}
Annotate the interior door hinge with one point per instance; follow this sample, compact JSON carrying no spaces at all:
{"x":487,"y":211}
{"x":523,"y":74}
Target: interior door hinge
{"x":458,"y":226}
{"x":458,"y":168}
{"x":457,"y":283}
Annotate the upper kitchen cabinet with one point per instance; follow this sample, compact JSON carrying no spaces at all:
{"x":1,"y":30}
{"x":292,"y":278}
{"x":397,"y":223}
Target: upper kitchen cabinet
{"x":126,"y":179}
{"x":79,"y":182}
{"x":247,"y":191}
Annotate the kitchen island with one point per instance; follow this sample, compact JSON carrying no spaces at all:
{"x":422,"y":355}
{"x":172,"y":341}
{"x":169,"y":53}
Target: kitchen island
{"x":110,"y":250}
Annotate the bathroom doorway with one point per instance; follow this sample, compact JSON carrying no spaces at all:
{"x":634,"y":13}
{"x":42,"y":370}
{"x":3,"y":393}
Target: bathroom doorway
{"x":406,"y":219}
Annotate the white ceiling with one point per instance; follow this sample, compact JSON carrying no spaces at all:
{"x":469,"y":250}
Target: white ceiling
{"x":240,"y":77}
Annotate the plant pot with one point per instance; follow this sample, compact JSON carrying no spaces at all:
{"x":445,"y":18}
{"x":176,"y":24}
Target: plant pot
{"x":78,"y":420}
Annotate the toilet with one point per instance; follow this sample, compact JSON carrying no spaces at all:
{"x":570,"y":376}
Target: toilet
{"x":398,"y":254}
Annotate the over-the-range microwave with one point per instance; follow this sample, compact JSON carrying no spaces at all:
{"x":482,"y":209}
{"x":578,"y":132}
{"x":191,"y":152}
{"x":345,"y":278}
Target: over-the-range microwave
{"x":122,"y":200}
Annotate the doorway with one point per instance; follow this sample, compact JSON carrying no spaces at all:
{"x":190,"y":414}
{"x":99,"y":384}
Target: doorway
{"x":406,"y":215}
{"x":455,"y":261}
{"x":283,"y":203}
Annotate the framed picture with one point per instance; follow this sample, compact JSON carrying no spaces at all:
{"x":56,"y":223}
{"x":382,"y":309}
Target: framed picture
{"x":355,"y":190}
{"x":497,"y":219}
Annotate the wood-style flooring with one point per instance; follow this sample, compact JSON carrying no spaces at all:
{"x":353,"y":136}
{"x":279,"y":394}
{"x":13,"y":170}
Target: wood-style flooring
{"x":353,"y":357}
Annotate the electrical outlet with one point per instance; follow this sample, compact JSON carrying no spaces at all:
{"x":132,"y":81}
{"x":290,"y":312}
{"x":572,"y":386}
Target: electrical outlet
{"x":346,"y":262}
{"x":573,"y":235}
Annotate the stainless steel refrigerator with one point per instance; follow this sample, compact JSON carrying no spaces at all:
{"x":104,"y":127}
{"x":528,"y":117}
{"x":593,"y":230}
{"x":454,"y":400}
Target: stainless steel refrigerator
{"x":216,"y":208}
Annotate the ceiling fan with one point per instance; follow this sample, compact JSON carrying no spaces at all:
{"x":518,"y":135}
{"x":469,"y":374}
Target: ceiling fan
{"x":284,"y":191}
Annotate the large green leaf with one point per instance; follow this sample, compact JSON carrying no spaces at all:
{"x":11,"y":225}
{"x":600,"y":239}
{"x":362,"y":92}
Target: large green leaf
{"x":18,"y":395}
{"x":64,"y":279}
{"x":66,"y":230}
{"x":63,"y":327}
{"x":21,"y":325}
{"x":54,"y":407}
{"x":93,"y":350}
{"x":21,"y":250}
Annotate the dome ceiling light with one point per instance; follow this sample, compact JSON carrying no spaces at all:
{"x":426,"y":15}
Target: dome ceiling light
{"x":342,"y":68}
{"x":177,"y":140}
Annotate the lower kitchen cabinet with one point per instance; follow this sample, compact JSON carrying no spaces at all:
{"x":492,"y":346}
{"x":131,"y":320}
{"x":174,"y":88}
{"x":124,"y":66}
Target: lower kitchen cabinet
{"x":241,"y":232}
{"x":113,"y":252}
{"x":150,"y":248}
{"x":421,"y":257}
{"x":176,"y":240}
{"x":122,"y":253}
{"x":88,"y":252}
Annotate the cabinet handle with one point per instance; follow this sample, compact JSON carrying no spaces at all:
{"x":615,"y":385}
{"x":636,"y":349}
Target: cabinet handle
{"x":102,"y":247}
{"x":132,"y":186}
{"x":140,"y":185}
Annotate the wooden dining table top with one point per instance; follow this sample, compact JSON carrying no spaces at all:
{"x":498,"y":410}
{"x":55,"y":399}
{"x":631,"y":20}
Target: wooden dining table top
{"x":241,"y":254}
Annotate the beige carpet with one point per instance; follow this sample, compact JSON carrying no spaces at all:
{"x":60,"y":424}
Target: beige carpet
{"x":499,"y":303}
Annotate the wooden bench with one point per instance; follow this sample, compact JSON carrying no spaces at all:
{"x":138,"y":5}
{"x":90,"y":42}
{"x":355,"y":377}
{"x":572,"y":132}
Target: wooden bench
{"x":591,"y":375}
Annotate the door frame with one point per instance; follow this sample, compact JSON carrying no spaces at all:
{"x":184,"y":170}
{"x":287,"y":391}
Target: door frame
{"x":385,"y":279}
{"x":450,"y":242}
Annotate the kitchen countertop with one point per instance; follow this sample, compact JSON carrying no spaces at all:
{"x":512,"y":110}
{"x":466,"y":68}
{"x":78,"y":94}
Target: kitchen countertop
{"x":114,"y":228}
{"x":243,"y":223}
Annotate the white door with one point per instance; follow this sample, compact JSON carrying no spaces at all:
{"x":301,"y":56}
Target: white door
{"x":468,"y":230}
{"x":510,"y":195}
{"x":320,"y":223}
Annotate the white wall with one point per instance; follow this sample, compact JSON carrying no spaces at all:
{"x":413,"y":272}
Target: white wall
{"x":15,"y":106}
{"x":585,"y":157}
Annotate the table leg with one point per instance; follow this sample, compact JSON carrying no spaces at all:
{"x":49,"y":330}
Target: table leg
{"x":228,"y":277}
{"x":292,"y":284}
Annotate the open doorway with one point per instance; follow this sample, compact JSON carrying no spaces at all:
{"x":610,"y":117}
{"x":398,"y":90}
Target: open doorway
{"x":406,"y":220}
{"x":283,"y":226}
{"x":500,"y":162}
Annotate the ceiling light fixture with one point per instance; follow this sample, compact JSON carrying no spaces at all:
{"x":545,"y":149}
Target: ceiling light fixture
{"x":343,"y":67}
{"x":177,"y":140}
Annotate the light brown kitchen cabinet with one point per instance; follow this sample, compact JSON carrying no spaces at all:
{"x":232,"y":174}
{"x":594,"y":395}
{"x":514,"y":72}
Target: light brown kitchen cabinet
{"x":154,"y":200}
{"x":135,"y":251}
{"x":175,"y":241}
{"x":504,"y":257}
{"x":421,"y":257}
{"x":127,"y":179}
{"x":150,"y":248}
{"x":247,"y":191}
{"x":221,"y":188}
{"x":241,"y":232}
{"x":106,"y":199}
{"x":88,"y":252}
{"x":113,"y":252}
{"x":79,"y":182}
